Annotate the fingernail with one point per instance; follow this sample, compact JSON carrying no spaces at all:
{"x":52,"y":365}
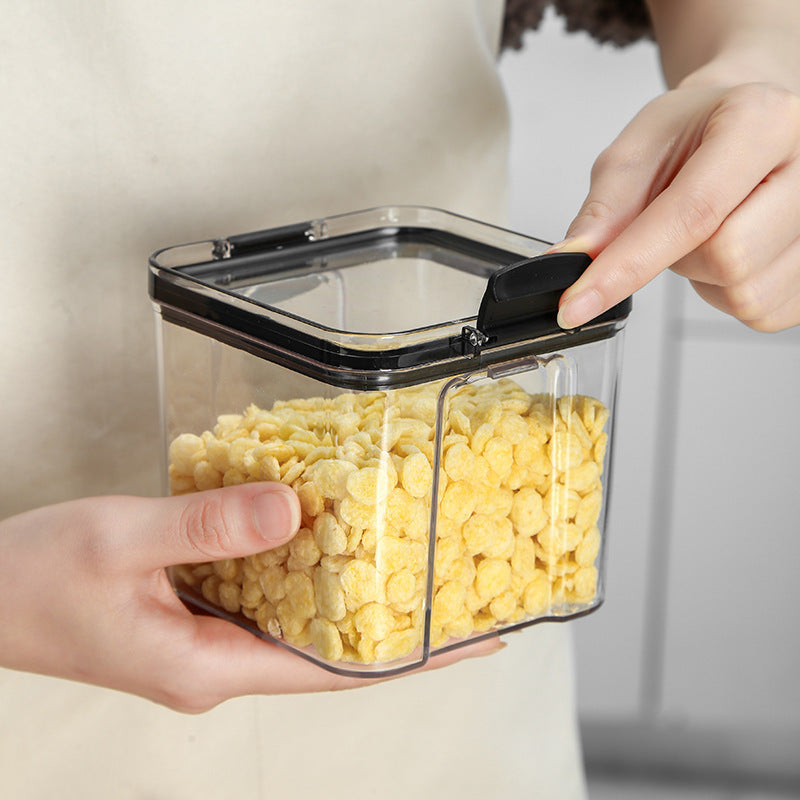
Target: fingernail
{"x":579,"y":309}
{"x":558,"y":247}
{"x":572,"y":244}
{"x":493,"y":644}
{"x":276,"y":515}
{"x":494,"y":649}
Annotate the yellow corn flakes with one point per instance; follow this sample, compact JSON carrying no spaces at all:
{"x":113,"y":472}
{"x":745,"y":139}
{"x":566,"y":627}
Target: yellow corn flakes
{"x":517,"y":513}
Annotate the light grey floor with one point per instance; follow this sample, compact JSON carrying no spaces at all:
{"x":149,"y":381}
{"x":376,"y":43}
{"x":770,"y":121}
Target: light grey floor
{"x":608,"y":788}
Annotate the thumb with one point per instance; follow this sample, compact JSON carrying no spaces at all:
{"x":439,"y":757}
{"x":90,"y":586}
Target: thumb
{"x":594,"y":227}
{"x":618,"y":191}
{"x":615,"y":199}
{"x":626,"y":176}
{"x":216,"y":524}
{"x":613,"y":202}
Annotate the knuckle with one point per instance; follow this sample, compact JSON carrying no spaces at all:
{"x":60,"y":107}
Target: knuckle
{"x":727,"y":258}
{"x":744,"y":101}
{"x":184,"y":689}
{"x":177,"y":698}
{"x":765,"y":98}
{"x":780,"y":103}
{"x":746,"y":301}
{"x":756,"y":325}
{"x":698,"y":216}
{"x":763,"y":106}
{"x":205,"y":527}
{"x":617,"y":159}
{"x":747,"y":96}
{"x":597,"y":209}
{"x":767,"y":324}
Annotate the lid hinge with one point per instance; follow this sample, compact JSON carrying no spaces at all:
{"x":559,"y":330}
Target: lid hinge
{"x":221,"y":249}
{"x":472,"y":341}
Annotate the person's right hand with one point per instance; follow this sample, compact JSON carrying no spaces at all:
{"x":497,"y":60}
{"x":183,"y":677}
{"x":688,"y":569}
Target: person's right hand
{"x":85,"y":596}
{"x":703,"y":181}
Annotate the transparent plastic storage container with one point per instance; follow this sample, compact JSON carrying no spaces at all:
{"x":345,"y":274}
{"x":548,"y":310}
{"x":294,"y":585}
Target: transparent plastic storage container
{"x":402,"y":369}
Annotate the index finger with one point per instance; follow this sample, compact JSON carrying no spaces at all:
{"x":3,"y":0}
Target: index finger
{"x":243,"y":664}
{"x":731,"y":160}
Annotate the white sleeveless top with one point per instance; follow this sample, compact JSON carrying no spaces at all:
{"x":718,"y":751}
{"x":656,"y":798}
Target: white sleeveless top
{"x":129,"y":126}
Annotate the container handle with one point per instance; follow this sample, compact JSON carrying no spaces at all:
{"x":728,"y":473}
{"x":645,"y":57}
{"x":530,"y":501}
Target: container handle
{"x":522,"y":298}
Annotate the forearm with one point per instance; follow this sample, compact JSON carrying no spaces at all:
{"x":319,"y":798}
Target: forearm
{"x":728,"y":41}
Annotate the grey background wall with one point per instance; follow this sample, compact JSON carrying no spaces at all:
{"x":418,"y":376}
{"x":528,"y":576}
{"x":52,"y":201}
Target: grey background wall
{"x":692,"y":665}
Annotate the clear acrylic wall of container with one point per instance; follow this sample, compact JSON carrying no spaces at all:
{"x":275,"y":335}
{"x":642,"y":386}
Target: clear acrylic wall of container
{"x":467,"y":498}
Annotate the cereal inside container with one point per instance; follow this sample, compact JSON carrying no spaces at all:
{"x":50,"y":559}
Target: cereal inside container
{"x":402,"y":370}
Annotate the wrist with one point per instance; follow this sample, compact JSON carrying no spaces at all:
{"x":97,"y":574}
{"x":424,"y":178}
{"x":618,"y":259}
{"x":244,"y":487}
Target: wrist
{"x":748,"y":59}
{"x":724,"y":43}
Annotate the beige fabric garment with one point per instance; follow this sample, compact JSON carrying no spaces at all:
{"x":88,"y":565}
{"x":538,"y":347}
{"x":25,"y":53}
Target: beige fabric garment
{"x":133,"y":125}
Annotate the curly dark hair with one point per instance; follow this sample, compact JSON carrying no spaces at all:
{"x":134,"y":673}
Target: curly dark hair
{"x":618,"y":22}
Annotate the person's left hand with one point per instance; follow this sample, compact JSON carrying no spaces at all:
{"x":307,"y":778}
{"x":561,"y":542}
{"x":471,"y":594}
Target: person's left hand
{"x":705,"y":181}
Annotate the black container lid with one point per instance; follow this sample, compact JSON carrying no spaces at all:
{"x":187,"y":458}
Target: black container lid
{"x":324,"y":297}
